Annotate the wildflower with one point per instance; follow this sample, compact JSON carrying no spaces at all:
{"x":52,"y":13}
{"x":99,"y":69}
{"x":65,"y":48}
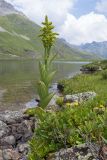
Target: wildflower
{"x":72,"y":104}
{"x":68,"y":104}
{"x":101,"y":106}
{"x":76,"y":103}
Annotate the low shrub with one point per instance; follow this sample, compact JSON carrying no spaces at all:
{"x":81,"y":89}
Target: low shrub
{"x":104,"y":74}
{"x":91,"y":67}
{"x":60,"y":101}
{"x":103,"y":64}
{"x":97,"y":64}
{"x":66,"y":128}
{"x":30,"y":112}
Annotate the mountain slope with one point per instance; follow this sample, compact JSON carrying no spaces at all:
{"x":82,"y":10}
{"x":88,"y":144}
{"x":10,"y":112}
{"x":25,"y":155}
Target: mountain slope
{"x":71,"y":52}
{"x":19,"y":38}
{"x":99,"y":48}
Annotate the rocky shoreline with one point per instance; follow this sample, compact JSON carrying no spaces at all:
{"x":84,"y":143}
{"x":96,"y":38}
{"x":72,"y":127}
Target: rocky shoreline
{"x":16,"y":129}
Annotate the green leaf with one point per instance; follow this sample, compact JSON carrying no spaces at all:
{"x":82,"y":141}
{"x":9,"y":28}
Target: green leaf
{"x":46,"y":100}
{"x":50,"y":77}
{"x":39,"y":112}
{"x":42,"y":90}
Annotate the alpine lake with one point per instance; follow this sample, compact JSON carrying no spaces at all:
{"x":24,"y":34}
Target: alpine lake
{"x":18,"y":80}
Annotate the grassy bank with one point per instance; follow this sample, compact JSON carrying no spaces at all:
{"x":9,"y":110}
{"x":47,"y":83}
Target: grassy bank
{"x":88,"y":82}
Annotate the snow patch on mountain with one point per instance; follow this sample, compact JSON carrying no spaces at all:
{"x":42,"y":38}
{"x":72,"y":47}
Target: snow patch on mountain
{"x":2,"y":29}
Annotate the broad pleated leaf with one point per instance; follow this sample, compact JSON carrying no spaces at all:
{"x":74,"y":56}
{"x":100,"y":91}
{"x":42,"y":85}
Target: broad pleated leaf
{"x":42,"y":90}
{"x":46,"y":100}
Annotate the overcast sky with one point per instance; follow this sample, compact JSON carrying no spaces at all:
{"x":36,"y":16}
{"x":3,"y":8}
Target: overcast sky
{"x":77,"y":21}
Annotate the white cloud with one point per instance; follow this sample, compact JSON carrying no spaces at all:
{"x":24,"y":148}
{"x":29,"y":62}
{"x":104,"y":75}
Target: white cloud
{"x":36,"y":9}
{"x":101,"y":6}
{"x":87,"y":28}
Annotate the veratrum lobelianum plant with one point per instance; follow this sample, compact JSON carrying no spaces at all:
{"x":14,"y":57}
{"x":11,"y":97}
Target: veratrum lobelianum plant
{"x":48,"y":38}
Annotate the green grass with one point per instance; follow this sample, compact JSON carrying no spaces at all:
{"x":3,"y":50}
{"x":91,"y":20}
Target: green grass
{"x":14,"y":45}
{"x":10,"y":43}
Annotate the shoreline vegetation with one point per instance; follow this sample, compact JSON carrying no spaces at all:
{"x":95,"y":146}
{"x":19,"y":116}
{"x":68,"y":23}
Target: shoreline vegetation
{"x":75,"y":123}
{"x":73,"y":130}
{"x":92,"y":80}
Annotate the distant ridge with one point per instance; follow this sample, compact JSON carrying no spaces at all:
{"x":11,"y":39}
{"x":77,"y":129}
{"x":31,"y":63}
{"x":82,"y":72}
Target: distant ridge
{"x":99,"y":48}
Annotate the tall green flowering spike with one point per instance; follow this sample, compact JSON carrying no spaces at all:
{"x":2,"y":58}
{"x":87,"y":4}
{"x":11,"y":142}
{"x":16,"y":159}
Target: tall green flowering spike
{"x":48,"y":37}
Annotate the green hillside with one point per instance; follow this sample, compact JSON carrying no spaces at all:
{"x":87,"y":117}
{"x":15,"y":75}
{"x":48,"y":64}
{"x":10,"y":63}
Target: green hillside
{"x":20,"y":39}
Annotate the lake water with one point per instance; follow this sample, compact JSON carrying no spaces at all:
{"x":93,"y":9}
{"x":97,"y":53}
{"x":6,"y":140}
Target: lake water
{"x":18,"y":80}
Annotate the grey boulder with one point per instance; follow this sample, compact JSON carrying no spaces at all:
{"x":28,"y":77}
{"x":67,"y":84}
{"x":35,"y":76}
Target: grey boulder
{"x":11,"y":117}
{"x":80,"y":97}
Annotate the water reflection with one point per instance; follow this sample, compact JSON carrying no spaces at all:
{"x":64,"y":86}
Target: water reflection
{"x":28,"y":70}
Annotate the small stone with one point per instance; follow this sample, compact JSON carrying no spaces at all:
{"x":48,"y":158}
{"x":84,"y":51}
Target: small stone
{"x":4,"y":129}
{"x":9,"y":154}
{"x":9,"y":140}
{"x":1,"y":156}
{"x":23,"y":131}
{"x":60,"y":87}
{"x":23,"y":148}
{"x":28,"y":125}
{"x":71,"y":98}
{"x":104,"y":152}
{"x":81,"y":146}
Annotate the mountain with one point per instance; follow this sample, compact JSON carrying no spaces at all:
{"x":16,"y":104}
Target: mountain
{"x":19,"y":38}
{"x":99,"y":48}
{"x":7,"y":8}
